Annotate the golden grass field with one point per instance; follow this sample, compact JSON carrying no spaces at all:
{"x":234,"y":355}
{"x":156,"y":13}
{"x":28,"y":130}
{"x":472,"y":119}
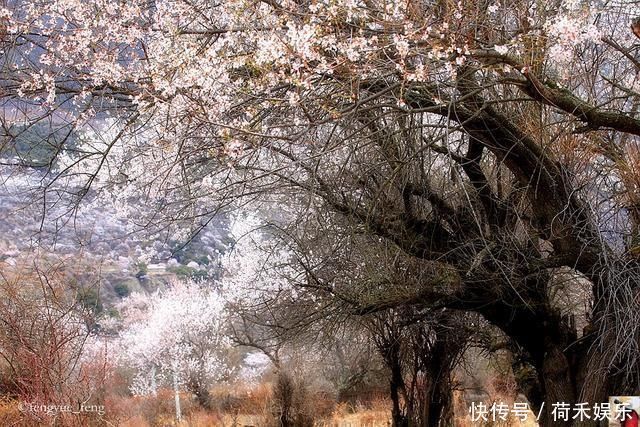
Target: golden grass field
{"x":254,"y":410}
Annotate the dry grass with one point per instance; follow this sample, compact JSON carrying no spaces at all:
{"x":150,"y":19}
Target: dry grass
{"x":242,"y":406}
{"x":239,"y":407}
{"x":9,"y":413}
{"x":149,"y":412}
{"x":462,"y":418}
{"x":12,"y":415}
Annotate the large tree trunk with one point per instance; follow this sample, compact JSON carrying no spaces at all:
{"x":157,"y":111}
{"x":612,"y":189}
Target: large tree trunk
{"x":396,"y":386}
{"x":438,"y":396}
{"x":437,"y":407}
{"x":553,"y":363}
{"x":420,"y":359}
{"x":574,"y":371}
{"x":558,"y":385}
{"x":283,"y":396}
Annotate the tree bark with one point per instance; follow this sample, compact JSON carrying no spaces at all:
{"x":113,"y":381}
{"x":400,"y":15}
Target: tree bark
{"x":176,"y":390}
{"x":398,"y":417}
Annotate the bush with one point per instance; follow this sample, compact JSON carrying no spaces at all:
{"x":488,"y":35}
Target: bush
{"x":122,"y":290}
{"x":43,"y":338}
{"x":291,"y":400}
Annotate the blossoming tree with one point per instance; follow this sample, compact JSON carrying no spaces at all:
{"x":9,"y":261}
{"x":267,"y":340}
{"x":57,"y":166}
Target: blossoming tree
{"x":176,"y":337}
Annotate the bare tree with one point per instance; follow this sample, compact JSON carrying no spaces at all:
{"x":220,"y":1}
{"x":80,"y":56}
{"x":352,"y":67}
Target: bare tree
{"x":44,"y":343}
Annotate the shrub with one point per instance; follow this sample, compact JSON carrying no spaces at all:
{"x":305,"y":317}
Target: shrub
{"x":45,"y":336}
{"x":292,"y":402}
{"x":122,"y":290}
